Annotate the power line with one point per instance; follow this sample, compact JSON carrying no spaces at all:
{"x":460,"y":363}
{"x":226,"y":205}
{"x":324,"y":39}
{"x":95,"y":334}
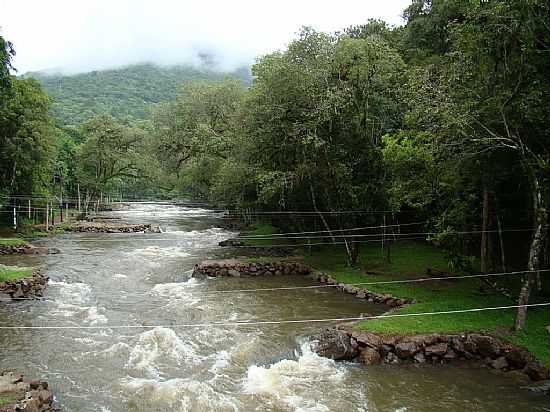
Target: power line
{"x":274,"y":322}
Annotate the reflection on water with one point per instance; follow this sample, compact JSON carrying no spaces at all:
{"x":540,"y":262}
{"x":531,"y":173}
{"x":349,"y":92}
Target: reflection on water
{"x":107,"y":280}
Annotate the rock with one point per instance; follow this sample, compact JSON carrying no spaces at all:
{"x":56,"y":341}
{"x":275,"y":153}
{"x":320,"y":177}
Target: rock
{"x":367,"y":339}
{"x":438,"y":349}
{"x":34,"y":384}
{"x":536,"y":371}
{"x":45,"y":396}
{"x":350,"y":289}
{"x":518,"y":358}
{"x":487,"y":345}
{"x":391,"y":358}
{"x":369,"y":356}
{"x":33,"y":405}
{"x":450,"y":355}
{"x":334,"y":344}
{"x":385,"y":349}
{"x":406,"y":350}
{"x":361,"y":295}
{"x":234,"y":273}
{"x":499,"y":363}
{"x":419,"y":357}
{"x":457,"y":344}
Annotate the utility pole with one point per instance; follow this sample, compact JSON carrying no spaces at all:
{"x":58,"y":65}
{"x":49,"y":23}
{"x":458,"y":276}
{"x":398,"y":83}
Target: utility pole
{"x":47,"y":215}
{"x":61,"y":199}
{"x":29,"y":208}
{"x":78,"y":191}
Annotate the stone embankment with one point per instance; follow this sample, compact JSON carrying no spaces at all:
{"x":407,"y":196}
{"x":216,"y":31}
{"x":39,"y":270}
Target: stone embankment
{"x":25,"y":288}
{"x":27,"y":249}
{"x":237,"y":268}
{"x":19,"y":394}
{"x":361,"y":293}
{"x":345,"y":343}
{"x":102,"y":227}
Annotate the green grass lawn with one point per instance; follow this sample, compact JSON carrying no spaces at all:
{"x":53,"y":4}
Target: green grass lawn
{"x":262,"y":229}
{"x":12,"y":242}
{"x":411,"y":260}
{"x":13,"y":273}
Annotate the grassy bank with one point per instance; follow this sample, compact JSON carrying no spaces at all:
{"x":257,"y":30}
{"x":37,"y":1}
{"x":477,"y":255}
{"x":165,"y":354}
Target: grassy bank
{"x":12,"y":242}
{"x":13,"y":273}
{"x":259,"y":230}
{"x":411,"y":260}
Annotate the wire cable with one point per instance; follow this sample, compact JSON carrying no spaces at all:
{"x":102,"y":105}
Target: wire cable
{"x":274,"y":322}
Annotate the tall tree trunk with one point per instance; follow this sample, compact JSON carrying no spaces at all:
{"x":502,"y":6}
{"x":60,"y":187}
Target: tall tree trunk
{"x":484,"y":233}
{"x":325,"y":223}
{"x":540,"y":220}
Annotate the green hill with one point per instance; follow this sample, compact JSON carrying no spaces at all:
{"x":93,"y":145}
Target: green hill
{"x":126,"y":92}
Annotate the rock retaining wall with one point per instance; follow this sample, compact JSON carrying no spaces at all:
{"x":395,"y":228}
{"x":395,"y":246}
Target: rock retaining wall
{"x":102,"y":227}
{"x":363,"y":293}
{"x":370,"y":348}
{"x":31,"y":287}
{"x":23,"y":395}
{"x":27,"y":250}
{"x":235,"y":268}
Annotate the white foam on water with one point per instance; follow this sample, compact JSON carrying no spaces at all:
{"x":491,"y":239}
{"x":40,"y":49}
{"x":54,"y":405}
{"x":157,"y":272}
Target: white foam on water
{"x":222,"y":360}
{"x":119,"y":276}
{"x":160,"y":344}
{"x":290,"y":381}
{"x":92,"y":315}
{"x":116,"y":350}
{"x":178,"y":293}
{"x":160,"y":252}
{"x":74,"y":293}
{"x":178,"y":394}
{"x":87,"y":341}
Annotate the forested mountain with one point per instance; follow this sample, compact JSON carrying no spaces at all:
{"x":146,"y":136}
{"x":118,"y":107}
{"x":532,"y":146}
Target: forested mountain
{"x":126,"y":92}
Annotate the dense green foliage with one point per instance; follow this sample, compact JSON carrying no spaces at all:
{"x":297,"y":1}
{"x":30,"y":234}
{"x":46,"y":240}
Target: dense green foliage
{"x":124,"y":93}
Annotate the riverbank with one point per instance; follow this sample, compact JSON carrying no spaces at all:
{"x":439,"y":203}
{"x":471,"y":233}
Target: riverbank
{"x":20,"y":394}
{"x":21,"y":283}
{"x":411,"y":260}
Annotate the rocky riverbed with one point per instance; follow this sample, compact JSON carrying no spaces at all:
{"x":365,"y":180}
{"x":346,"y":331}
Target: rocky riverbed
{"x":23,"y":395}
{"x":25,"y":288}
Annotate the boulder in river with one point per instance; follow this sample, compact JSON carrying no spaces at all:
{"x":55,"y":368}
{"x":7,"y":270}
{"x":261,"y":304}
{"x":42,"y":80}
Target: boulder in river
{"x":334,"y":344}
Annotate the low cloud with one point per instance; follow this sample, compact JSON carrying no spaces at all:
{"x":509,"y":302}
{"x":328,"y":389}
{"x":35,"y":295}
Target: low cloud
{"x":75,"y":36}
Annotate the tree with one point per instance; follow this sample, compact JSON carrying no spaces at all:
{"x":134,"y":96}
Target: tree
{"x":27,"y":139}
{"x":490,"y":96}
{"x":110,"y":151}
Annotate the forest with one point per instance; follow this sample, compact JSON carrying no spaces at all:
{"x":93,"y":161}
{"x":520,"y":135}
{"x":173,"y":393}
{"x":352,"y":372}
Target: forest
{"x":443,"y":120}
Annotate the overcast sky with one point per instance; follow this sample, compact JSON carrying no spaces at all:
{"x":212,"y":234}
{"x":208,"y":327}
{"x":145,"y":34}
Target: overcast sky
{"x":82,"y":35}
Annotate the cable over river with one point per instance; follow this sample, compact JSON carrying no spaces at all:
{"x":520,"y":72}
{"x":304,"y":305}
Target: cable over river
{"x":144,"y":279}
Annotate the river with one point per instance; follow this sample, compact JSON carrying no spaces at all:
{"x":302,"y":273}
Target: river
{"x":105,"y":282}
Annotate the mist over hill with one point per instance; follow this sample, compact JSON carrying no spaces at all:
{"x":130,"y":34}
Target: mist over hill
{"x":126,"y":93}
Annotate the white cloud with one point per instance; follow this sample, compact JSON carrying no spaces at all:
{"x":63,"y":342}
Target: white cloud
{"x":78,"y":35}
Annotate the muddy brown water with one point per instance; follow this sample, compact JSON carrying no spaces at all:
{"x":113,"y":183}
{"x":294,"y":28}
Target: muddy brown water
{"x":108,"y":280}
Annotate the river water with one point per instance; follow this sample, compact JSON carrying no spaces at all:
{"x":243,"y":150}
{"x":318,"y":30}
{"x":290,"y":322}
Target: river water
{"x":101,"y":281}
